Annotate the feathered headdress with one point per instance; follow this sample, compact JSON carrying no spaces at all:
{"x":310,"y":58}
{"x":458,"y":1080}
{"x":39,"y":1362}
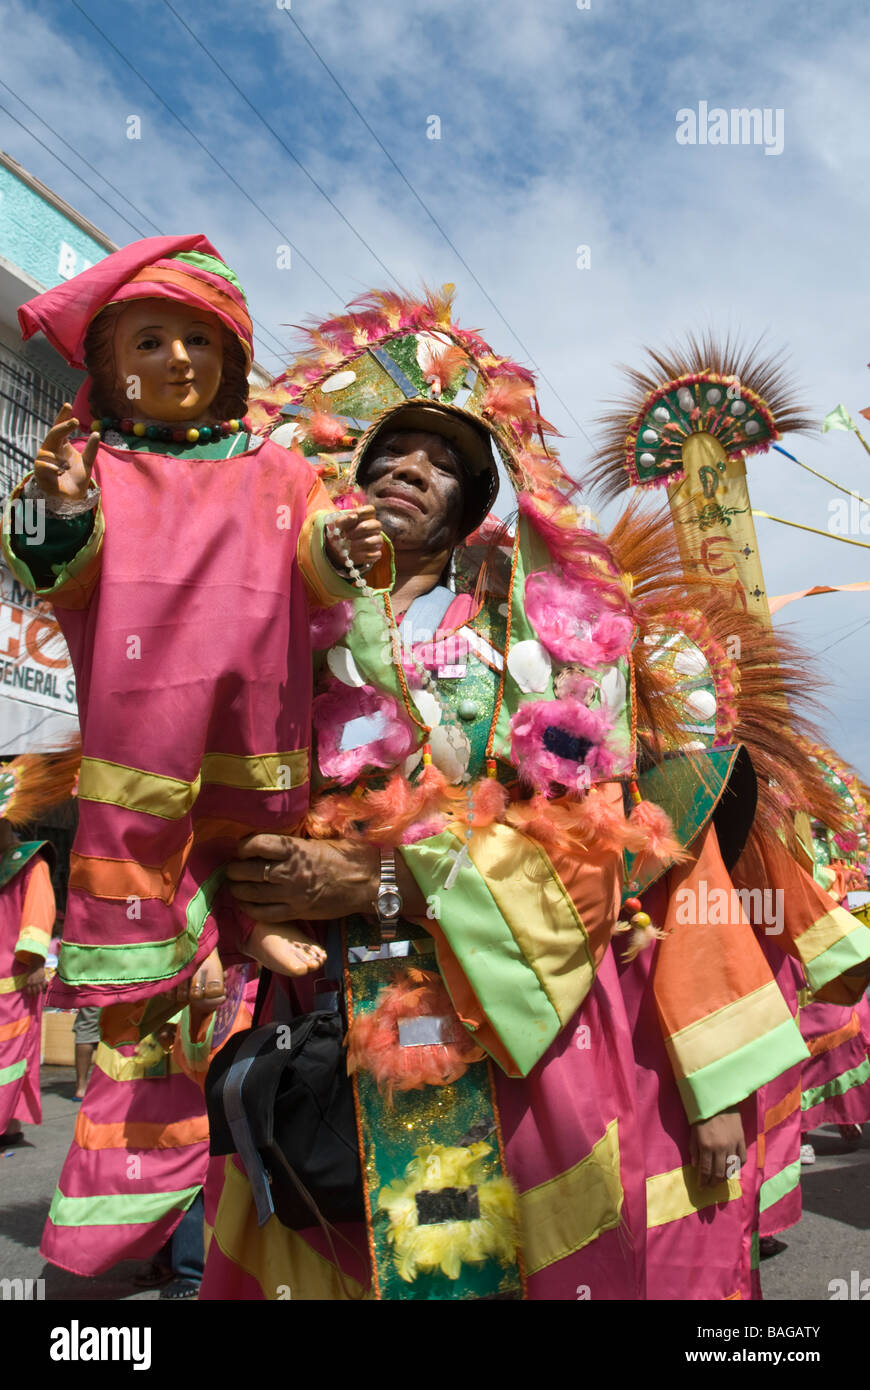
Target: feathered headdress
{"x":391,"y":349}
{"x":34,"y":782}
{"x":741,"y":398}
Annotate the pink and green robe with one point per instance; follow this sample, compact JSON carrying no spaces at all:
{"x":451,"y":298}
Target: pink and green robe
{"x":138,"y":1156}
{"x":27,"y":912}
{"x":186,"y":615}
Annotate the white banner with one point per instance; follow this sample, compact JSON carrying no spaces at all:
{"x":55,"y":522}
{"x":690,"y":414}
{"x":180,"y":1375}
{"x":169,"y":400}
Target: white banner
{"x":37,"y":685}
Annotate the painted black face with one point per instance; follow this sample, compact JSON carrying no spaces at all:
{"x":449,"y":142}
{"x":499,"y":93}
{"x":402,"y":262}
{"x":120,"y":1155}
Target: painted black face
{"x":414,"y":480}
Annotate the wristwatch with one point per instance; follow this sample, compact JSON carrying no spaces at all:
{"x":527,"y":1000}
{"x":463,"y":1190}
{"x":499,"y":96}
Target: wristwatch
{"x":389,"y":899}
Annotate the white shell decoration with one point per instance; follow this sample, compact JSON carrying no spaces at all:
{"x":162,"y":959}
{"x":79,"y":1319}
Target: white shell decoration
{"x":342,"y":665}
{"x":661,"y":414}
{"x":647,"y":459}
{"x":650,"y":437}
{"x":428,"y":706}
{"x":451,"y":751}
{"x":530,"y":665}
{"x":686,"y":399}
{"x":412,"y":762}
{"x":428,"y":343}
{"x":337,"y":381}
{"x":738,"y":407}
{"x":690,"y":663}
{"x":613,"y":689}
{"x":752,"y":427}
{"x":287,"y":435}
{"x":702,"y":703}
{"x":714,"y":395}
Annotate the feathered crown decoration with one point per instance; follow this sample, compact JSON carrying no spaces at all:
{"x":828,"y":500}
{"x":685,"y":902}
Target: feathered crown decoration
{"x":391,"y":349}
{"x":34,"y":782}
{"x":742,"y":399}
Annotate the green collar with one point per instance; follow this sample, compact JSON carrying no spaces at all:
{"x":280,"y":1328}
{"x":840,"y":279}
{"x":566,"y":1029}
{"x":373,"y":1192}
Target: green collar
{"x":15,"y":858}
{"x":215,"y":449}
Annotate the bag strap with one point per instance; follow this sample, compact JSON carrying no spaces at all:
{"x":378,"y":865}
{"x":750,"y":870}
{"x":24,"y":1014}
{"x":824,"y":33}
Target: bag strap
{"x":262,"y":991}
{"x":326,"y":1226}
{"x":328,"y":992}
{"x":240,"y":1126}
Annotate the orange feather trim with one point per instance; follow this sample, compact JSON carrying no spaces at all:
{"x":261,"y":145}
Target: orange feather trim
{"x":373,"y":1041}
{"x":42,"y":780}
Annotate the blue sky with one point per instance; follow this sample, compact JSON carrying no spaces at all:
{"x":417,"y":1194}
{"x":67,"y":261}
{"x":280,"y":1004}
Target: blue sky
{"x":557,"y":129}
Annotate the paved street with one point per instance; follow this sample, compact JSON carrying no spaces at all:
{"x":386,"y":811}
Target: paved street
{"x":829,"y":1242}
{"x":28,"y":1175}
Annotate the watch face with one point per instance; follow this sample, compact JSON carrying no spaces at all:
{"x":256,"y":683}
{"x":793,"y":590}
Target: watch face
{"x":389,"y":903}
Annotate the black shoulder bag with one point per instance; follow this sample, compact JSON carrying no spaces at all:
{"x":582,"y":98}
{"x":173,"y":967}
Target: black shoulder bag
{"x":279,"y":1095}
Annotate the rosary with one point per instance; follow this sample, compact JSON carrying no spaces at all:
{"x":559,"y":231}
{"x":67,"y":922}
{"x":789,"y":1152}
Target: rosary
{"x":459,"y":856}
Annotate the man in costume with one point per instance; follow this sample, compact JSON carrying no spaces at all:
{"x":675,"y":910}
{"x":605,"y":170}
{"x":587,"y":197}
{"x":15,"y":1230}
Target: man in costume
{"x":28,"y":786}
{"x":175,"y":547}
{"x":477,"y":749}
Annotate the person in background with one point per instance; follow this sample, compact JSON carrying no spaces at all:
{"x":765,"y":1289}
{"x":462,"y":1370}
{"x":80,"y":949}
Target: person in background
{"x":28,"y":786}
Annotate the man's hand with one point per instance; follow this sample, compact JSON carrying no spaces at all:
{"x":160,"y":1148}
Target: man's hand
{"x":361,"y":536}
{"x":60,"y":470}
{"x":715,"y":1144}
{"x":281,"y":878}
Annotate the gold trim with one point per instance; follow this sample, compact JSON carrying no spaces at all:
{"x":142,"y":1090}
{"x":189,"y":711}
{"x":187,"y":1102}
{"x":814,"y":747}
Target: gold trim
{"x":717,"y":1035}
{"x":825,"y":932}
{"x":171,"y":798}
{"x":256,"y":772}
{"x":565,"y":1213}
{"x":10,"y":983}
{"x":541,"y":916}
{"x":276,"y":1257}
{"x":671,"y":1196}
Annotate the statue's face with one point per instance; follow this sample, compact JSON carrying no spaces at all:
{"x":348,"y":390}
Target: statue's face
{"x":169,"y":359}
{"x":413,"y":480}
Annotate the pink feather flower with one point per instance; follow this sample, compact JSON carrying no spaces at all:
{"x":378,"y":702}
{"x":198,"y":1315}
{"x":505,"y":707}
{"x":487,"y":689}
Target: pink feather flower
{"x":339,"y":706}
{"x":560,"y":741}
{"x":568,"y":620}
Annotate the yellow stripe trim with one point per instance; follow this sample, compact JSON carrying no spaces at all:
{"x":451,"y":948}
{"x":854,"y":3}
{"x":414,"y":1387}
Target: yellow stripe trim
{"x":10,"y":983}
{"x":825,"y":933}
{"x":536,"y":907}
{"x":120,"y":1068}
{"x":729,"y":1028}
{"x":172,"y":797}
{"x":671,"y":1196}
{"x":283,"y":1264}
{"x":259,"y":772}
{"x":565,"y":1213}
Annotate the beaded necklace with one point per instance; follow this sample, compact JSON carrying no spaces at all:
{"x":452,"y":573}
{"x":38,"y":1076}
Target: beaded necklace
{"x":176,"y":434}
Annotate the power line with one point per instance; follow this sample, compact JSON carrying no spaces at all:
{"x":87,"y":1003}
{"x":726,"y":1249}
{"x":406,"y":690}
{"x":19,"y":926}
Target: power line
{"x":234,"y":181}
{"x":845,"y":636}
{"x":80,"y":156}
{"x":48,"y":150}
{"x":279,"y":352}
{"x":260,"y":117}
{"x":430,"y":214}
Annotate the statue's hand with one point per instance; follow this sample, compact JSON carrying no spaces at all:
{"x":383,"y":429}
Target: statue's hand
{"x":60,"y":470}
